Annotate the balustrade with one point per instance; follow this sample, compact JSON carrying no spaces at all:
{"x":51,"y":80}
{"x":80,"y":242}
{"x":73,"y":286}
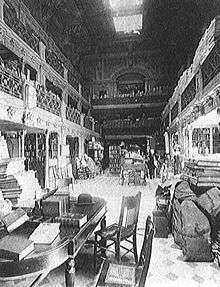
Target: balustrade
{"x":49,"y":102}
{"x":10,"y":83}
{"x":73,"y":115}
{"x":97,"y":127}
{"x":211,"y":66}
{"x":155,"y":96}
{"x":189,"y":94}
{"x":26,"y":33}
{"x":88,"y":123}
{"x":127,"y":123}
{"x":175,"y":111}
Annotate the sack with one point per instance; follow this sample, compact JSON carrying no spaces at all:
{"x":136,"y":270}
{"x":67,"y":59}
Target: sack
{"x":209,"y":202}
{"x":196,"y":232}
{"x":176,"y":222}
{"x":183,"y":191}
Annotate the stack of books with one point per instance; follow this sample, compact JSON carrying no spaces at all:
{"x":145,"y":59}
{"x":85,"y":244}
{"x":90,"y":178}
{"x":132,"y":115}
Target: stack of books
{"x":71,"y":219}
{"x":13,"y":247}
{"x":55,"y":205}
{"x":202,"y":173}
{"x":10,"y":187}
{"x":14,"y":219}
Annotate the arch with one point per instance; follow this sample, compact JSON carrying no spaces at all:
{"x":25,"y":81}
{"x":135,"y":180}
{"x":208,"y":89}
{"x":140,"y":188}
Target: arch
{"x":147,"y":73}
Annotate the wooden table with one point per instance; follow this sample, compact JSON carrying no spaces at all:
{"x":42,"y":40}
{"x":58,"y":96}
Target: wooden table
{"x":45,"y":258}
{"x":133,"y":173}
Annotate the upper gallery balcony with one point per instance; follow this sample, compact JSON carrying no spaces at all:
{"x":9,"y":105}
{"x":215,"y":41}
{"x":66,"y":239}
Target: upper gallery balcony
{"x":88,"y":122}
{"x":10,"y":83}
{"x":73,"y":115}
{"x":48,"y":101}
{"x":156,"y":95}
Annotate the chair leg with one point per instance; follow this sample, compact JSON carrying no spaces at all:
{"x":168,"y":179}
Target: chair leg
{"x":117,"y":251}
{"x":95,"y":254}
{"x":135,"y":248}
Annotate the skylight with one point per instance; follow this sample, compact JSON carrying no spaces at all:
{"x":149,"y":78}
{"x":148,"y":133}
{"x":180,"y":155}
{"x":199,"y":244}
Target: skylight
{"x":127,"y":15}
{"x":125,"y":4}
{"x":128,"y":24}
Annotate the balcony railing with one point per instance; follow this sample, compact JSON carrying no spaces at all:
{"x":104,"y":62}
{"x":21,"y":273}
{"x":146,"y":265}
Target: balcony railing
{"x":49,"y":102}
{"x":152,"y":96}
{"x":87,"y":122}
{"x":97,"y":127}
{"x":129,"y":124}
{"x":73,"y":115}
{"x":10,"y":83}
{"x":211,"y":66}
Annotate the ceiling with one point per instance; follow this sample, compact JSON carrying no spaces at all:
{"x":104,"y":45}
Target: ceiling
{"x":82,"y":26}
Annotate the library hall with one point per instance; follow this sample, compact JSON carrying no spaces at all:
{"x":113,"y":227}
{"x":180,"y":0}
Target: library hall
{"x":109,"y":143}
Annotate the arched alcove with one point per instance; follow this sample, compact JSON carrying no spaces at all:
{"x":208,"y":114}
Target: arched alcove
{"x":130,"y":84}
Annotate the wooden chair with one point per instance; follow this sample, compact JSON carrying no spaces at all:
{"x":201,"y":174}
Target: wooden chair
{"x":124,"y":230}
{"x":128,"y":275}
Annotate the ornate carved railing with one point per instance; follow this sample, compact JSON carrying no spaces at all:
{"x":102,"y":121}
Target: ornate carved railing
{"x":73,"y":81}
{"x":52,"y":59}
{"x":147,"y":97}
{"x":73,"y":115}
{"x":23,"y":31}
{"x":49,"y":102}
{"x":87,"y":122}
{"x":97,"y":127}
{"x":128,"y":124}
{"x":189,"y":94}
{"x":10,"y":83}
{"x":211,"y":66}
{"x":174,"y":111}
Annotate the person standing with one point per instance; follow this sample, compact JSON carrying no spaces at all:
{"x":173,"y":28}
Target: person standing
{"x":151,"y":165}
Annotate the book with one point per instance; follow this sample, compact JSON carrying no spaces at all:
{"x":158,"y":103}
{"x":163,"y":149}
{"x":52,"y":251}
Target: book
{"x":54,"y":206}
{"x":15,"y":219}
{"x":120,"y":274}
{"x":72,"y":219}
{"x":15,"y":248}
{"x":45,"y":233}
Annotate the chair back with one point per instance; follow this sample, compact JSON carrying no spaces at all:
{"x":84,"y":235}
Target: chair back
{"x":129,"y":212}
{"x":146,"y":250}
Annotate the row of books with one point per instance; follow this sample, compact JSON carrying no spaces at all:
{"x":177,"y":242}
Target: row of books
{"x":202,"y":173}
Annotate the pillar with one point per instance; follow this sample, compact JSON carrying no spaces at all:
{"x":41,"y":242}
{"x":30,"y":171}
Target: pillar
{"x":19,"y":134}
{"x":47,"y":160}
{"x":211,"y":140}
{"x":81,"y":145}
{"x":23,"y":140}
{"x":190,"y":141}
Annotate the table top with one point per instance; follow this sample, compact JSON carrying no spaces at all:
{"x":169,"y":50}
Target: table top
{"x":50,"y":256}
{"x":132,"y":166}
